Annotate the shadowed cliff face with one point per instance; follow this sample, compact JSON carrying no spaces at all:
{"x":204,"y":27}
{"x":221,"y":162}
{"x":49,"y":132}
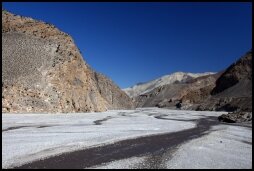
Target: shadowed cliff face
{"x":229,"y":90}
{"x":233,"y":90}
{"x":43,"y":71}
{"x":238,"y":72}
{"x":116,"y":98}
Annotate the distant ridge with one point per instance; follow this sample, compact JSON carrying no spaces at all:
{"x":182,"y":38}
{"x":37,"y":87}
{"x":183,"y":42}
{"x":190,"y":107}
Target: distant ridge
{"x":145,"y":87}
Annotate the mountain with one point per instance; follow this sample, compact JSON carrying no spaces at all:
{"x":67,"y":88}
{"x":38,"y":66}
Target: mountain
{"x":143,"y":88}
{"x":43,"y":71}
{"x":228,"y":90}
{"x":235,"y":74}
{"x":190,"y":91}
{"x":233,"y":90}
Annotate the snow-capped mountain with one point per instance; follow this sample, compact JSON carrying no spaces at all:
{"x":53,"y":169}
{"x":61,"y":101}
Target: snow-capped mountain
{"x":142,"y":88}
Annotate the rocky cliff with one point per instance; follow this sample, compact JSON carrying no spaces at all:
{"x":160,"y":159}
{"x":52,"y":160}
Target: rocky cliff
{"x":233,"y":90}
{"x":236,"y":73}
{"x":116,"y":98}
{"x":228,"y":90}
{"x":43,"y":71}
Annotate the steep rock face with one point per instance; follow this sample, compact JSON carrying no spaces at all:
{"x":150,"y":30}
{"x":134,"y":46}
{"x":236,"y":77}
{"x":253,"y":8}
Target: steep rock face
{"x":233,"y":90}
{"x":116,"y":98}
{"x":43,"y":70}
{"x":239,"y":71}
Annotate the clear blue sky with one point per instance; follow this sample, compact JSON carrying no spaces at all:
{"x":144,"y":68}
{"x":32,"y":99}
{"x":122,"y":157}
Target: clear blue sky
{"x":138,"y":42}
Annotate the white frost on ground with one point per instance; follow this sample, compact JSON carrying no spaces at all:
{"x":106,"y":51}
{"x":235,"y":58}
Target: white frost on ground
{"x":226,"y":147}
{"x":68,"y":132}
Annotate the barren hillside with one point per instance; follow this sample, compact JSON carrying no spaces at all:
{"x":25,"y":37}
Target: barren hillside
{"x":43,"y":71}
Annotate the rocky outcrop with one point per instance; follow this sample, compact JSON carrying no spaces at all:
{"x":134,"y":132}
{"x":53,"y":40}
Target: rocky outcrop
{"x":236,"y":117}
{"x":43,"y":71}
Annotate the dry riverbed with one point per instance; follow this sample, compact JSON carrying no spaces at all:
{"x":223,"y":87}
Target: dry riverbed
{"x":141,"y":138}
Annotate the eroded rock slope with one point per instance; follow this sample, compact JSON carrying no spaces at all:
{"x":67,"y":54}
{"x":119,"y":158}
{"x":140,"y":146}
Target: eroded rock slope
{"x":228,"y":90}
{"x":43,"y":71}
{"x":233,"y":90}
